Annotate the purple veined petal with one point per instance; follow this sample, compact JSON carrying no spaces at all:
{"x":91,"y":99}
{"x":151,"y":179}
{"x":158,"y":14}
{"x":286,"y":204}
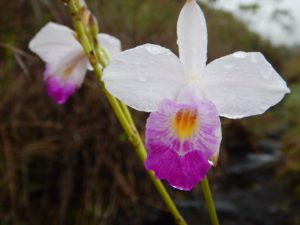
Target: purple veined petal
{"x":181,"y":139}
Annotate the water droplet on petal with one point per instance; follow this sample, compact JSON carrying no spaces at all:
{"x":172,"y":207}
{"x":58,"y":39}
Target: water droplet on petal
{"x":239,"y":54}
{"x":154,"y":50}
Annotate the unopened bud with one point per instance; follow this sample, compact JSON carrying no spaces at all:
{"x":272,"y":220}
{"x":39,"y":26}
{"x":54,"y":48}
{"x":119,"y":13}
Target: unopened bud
{"x":85,"y":15}
{"x":93,"y":21}
{"x":93,"y":24}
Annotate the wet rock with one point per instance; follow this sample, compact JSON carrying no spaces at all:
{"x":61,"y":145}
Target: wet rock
{"x":260,"y":205}
{"x":270,"y":146}
{"x":253,"y":163}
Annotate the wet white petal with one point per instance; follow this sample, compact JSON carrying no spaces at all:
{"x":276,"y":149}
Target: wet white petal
{"x":215,"y":157}
{"x":144,"y":76}
{"x":190,"y":93}
{"x":54,"y":42}
{"x":243,"y":84}
{"x":110,"y":43}
{"x":73,"y":68}
{"x":192,"y":38}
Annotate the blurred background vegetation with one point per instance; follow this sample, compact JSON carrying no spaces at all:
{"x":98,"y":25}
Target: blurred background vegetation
{"x":72,"y":164}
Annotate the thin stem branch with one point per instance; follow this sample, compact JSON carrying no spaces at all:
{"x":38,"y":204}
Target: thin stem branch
{"x":126,"y":112}
{"x":209,"y":201}
{"x":119,"y":108}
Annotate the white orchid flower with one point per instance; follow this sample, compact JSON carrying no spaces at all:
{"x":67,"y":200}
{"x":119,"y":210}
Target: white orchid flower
{"x":186,"y":97}
{"x":66,"y":62}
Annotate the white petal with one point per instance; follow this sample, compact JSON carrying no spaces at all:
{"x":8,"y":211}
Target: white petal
{"x":192,"y":38}
{"x":73,"y":68}
{"x":215,"y":157}
{"x":143,"y":76}
{"x":190,"y":93}
{"x":53,"y":42}
{"x":243,"y":84}
{"x":110,"y":43}
{"x":79,"y":71}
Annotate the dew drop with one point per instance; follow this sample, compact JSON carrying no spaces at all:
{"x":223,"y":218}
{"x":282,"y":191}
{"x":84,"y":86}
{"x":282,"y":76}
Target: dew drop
{"x":239,"y":54}
{"x":153,"y":49}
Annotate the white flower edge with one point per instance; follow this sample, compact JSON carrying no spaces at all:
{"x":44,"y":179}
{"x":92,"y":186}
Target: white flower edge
{"x":240,"y":85}
{"x":143,"y":76}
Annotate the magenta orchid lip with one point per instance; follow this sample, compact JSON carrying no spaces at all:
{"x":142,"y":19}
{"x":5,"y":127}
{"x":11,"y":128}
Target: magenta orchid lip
{"x":60,"y":91}
{"x":181,"y":140}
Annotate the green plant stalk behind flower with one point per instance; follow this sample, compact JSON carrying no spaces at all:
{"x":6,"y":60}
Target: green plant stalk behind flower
{"x":95,"y":55}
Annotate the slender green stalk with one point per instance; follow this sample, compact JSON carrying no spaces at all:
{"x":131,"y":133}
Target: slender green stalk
{"x":119,"y":108}
{"x":126,"y":112}
{"x":209,"y":202}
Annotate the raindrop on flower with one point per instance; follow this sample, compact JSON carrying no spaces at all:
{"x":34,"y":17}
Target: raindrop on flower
{"x":240,"y":54}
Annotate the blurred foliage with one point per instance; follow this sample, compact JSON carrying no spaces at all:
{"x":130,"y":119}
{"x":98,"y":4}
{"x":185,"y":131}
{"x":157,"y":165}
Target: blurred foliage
{"x":72,"y":164}
{"x":253,"y":7}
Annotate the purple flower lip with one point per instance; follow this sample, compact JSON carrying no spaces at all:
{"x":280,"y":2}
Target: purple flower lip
{"x":181,"y":139}
{"x":58,"y":90}
{"x":182,"y":172}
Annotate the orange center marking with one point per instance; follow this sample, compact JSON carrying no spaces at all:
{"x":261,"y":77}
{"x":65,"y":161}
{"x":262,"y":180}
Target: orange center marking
{"x":185,"y":123}
{"x":69,"y":70}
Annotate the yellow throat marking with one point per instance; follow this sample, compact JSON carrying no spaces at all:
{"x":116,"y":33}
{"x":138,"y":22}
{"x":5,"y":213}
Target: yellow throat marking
{"x":185,"y":123}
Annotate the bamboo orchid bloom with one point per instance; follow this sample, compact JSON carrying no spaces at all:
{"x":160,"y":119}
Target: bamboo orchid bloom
{"x":66,"y":63}
{"x":186,"y":97}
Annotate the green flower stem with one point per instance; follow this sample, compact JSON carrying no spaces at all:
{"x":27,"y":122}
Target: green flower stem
{"x":127,"y":113}
{"x":209,"y":202}
{"x":119,"y":108}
